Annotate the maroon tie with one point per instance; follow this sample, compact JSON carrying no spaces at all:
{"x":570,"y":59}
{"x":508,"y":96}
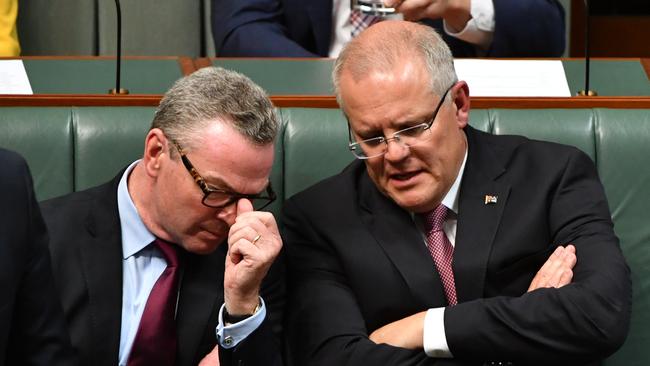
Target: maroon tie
{"x":441,"y":250}
{"x":155,"y":341}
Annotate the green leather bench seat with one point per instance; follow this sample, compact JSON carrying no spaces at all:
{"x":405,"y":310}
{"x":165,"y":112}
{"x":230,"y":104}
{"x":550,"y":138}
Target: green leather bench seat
{"x":44,"y":137}
{"x":106,"y":140}
{"x":315,"y":140}
{"x":71,"y":149}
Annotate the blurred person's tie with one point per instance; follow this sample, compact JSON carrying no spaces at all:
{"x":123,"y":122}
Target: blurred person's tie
{"x":155,"y":341}
{"x":441,"y":250}
{"x":361,"y":21}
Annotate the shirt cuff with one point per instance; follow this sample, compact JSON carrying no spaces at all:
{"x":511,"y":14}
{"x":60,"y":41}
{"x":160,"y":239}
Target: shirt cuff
{"x":230,"y":336}
{"x":480,"y":28}
{"x":435,"y":340}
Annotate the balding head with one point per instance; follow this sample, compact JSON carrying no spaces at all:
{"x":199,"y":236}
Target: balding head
{"x":386,"y":44}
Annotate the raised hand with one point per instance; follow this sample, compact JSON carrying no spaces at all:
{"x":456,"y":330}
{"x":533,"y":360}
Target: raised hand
{"x":253,"y":244}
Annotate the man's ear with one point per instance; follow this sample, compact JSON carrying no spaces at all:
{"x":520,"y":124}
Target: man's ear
{"x":460,"y":93}
{"x":155,"y":151}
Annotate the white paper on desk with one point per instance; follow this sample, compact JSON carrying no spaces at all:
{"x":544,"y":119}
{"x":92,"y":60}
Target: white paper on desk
{"x":13,"y":78}
{"x":513,"y":78}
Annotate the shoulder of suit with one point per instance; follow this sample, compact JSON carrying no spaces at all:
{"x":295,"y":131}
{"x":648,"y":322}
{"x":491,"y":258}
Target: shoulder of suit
{"x":74,"y":199}
{"x":13,"y":165}
{"x":72,"y":210}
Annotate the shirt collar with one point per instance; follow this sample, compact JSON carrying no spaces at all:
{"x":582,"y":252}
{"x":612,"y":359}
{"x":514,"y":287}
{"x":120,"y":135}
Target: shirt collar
{"x":135,"y":235}
{"x":451,"y":198}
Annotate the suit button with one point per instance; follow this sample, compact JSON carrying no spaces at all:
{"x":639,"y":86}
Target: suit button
{"x":228,"y":341}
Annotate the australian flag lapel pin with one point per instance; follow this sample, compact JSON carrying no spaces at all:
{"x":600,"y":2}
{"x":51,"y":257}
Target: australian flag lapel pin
{"x":490,"y":199}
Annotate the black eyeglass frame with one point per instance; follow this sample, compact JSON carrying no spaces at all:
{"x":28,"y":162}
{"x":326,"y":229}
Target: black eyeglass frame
{"x":396,"y":135}
{"x":207,"y":190}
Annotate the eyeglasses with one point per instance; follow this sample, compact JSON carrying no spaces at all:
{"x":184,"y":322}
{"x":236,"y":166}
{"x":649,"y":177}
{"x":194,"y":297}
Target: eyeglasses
{"x":219,"y":198}
{"x":410,"y":136}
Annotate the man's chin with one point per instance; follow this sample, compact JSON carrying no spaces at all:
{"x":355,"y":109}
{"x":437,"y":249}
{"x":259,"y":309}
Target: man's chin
{"x":413,"y":203}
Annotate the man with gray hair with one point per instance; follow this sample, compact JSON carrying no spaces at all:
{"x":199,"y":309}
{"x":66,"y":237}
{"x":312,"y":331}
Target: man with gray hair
{"x":446,"y":245}
{"x":172,"y":259}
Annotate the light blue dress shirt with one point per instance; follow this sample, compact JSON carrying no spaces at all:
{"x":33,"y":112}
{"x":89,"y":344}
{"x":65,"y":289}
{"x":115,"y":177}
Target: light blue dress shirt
{"x":142,"y":265}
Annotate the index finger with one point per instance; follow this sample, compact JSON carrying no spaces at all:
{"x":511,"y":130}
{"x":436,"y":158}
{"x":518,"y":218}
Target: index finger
{"x":244,"y":205}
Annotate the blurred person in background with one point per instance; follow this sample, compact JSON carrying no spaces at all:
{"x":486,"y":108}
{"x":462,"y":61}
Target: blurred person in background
{"x":9,"y":45}
{"x":320,"y":28}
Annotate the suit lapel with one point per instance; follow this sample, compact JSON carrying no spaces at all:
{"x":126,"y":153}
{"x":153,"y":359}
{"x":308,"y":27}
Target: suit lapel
{"x":201,"y":289}
{"x":200,"y":298}
{"x":395,"y":231}
{"x":102,"y":265}
{"x":478,"y":221}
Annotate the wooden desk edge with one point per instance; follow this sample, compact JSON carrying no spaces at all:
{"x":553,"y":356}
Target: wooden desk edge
{"x":490,"y":102}
{"x":321,"y":101}
{"x":187,"y":65}
{"x":645,"y":62}
{"x":80,"y":100}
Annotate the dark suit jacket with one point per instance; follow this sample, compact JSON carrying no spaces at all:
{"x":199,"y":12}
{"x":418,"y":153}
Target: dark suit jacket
{"x":357,"y":262}
{"x":303,"y":28}
{"x":32,"y":327}
{"x":87,"y":260}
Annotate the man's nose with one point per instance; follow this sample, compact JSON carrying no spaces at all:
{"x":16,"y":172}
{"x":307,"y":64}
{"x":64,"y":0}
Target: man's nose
{"x":396,"y":150}
{"x":228,"y":214}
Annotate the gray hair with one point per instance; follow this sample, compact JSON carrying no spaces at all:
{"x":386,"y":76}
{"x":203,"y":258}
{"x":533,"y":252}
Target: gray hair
{"x":214,"y":93}
{"x":390,"y":45}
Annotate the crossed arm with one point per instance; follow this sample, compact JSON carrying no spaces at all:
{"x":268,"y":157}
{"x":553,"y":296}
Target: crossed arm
{"x":408,"y":332}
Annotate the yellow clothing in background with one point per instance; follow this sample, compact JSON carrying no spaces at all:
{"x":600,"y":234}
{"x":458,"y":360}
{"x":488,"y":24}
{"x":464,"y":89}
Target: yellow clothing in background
{"x":9,"y":45}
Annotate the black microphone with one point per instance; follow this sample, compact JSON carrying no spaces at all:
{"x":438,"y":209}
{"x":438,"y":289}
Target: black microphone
{"x":117,"y":90}
{"x":586,"y":91}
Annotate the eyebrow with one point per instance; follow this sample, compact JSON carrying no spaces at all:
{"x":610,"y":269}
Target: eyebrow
{"x":216,"y":182}
{"x":222,"y":185}
{"x":371,"y":133}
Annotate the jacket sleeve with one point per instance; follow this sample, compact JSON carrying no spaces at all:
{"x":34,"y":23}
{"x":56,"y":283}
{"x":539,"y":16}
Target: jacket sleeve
{"x":252,"y":28}
{"x":584,"y":321}
{"x":37,"y":334}
{"x":263,"y":347}
{"x":529,"y":28}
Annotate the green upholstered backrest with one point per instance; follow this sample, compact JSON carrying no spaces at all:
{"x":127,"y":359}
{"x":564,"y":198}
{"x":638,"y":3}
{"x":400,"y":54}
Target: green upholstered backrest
{"x":107,"y":140}
{"x":315,"y":146}
{"x":315,"y":140}
{"x":623,"y":150}
{"x":570,"y":127}
{"x":44,"y":137}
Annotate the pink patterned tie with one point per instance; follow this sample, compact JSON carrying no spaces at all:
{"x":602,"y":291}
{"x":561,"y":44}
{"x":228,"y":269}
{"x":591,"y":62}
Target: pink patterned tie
{"x":441,"y":250}
{"x":361,"y":21}
{"x":155,"y":341}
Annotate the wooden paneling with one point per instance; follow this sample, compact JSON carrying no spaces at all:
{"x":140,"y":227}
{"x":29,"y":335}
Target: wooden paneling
{"x":610,"y":35}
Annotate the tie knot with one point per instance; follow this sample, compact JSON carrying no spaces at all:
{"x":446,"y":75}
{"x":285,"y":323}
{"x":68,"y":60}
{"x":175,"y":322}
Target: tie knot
{"x":435,"y":218}
{"x":169,"y":251}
